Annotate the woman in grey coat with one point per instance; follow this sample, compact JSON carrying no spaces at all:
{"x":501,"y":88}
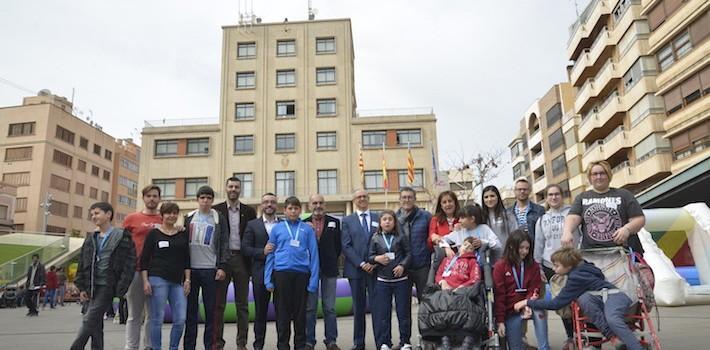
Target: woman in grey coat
{"x":501,"y":221}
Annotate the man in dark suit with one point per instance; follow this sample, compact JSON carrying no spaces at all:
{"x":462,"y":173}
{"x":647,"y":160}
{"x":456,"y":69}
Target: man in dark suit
{"x":237,"y":215}
{"x":35,"y":280}
{"x":327,"y":230}
{"x":255,"y":248}
{"x":358,"y":228}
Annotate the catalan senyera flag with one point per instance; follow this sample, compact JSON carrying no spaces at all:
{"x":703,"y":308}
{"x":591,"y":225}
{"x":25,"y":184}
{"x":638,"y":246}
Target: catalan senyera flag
{"x":410,"y":167}
{"x":385,"y":183}
{"x":361,"y":166}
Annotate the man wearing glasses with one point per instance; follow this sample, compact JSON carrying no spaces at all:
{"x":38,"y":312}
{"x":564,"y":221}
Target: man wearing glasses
{"x":526,"y":212}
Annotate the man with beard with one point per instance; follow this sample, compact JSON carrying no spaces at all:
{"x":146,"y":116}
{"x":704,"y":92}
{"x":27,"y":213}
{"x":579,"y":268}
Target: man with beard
{"x":237,"y":215}
{"x":255,"y":247}
{"x":414,"y":223}
{"x":139,"y":224}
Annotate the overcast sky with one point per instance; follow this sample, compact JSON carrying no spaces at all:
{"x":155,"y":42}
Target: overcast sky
{"x":479,"y":64}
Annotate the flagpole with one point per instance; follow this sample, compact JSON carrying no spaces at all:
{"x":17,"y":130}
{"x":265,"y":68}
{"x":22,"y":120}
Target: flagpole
{"x":384,"y":176}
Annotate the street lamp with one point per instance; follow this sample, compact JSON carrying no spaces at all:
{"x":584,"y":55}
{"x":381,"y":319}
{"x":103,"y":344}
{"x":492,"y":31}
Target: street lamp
{"x":46,"y":205}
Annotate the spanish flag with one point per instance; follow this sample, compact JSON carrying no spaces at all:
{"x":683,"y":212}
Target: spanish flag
{"x":385,"y":183}
{"x":361,"y":166}
{"x":410,"y":167}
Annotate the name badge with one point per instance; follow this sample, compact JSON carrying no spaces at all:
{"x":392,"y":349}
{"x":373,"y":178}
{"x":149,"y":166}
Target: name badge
{"x":295,"y":243}
{"x":390,"y":256}
{"x":163,"y":244}
{"x":331,"y":224}
{"x":521,"y":290}
{"x":375,"y":224}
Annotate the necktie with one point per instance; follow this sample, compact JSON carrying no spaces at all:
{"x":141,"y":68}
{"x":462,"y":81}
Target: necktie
{"x":365,"y":227}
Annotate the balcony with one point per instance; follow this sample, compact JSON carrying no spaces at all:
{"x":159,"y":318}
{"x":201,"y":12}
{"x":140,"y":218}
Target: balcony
{"x":584,"y":26}
{"x":518,"y":159}
{"x":608,"y":75}
{"x":584,"y":96}
{"x":653,"y":166}
{"x":594,"y":152}
{"x":652,"y":123}
{"x":623,"y":174}
{"x":574,"y":151}
{"x":577,"y":181}
{"x":534,"y":139}
{"x":539,"y":184}
{"x":616,"y":141}
{"x":537,"y":161}
{"x":583,"y":66}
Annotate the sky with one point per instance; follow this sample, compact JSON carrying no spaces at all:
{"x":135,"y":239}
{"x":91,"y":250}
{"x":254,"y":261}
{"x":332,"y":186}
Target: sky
{"x":478,"y":64}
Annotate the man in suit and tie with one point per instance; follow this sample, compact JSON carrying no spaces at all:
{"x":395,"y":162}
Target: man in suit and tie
{"x":327,"y":230}
{"x":357,"y":230}
{"x":255,"y":248}
{"x":237,"y":214}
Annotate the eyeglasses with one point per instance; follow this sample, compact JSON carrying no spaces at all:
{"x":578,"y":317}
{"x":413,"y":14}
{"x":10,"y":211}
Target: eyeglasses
{"x":599,"y":174}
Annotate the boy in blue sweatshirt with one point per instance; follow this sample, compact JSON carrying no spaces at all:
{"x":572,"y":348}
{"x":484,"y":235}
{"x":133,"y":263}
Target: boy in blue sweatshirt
{"x":291,"y":272}
{"x":600,"y":300}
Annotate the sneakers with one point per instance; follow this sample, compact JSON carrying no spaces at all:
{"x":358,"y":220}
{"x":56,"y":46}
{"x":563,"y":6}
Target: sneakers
{"x":385,"y":347}
{"x":406,"y":347}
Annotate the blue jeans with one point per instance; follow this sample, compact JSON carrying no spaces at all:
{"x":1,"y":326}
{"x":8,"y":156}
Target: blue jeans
{"x":609,"y":316}
{"x":201,"y":279}
{"x":382,"y":312}
{"x":49,"y":298}
{"x":163,"y":291}
{"x":514,"y":330}
{"x":327,"y":293}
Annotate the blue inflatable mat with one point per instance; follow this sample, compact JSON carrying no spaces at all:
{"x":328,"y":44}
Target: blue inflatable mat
{"x":690,"y":274}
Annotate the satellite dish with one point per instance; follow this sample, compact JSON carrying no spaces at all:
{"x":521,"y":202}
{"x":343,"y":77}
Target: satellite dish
{"x":44,"y":92}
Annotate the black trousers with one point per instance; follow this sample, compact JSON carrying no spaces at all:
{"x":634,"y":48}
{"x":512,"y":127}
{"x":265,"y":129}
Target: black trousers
{"x":92,"y":325}
{"x":290,"y":297}
{"x":262,"y":297}
{"x":31,"y":300}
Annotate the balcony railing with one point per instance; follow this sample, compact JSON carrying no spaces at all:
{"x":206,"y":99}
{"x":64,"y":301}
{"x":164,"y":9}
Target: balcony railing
{"x":180,"y":122}
{"x":623,"y":165}
{"x":593,"y":145}
{"x":652,"y":153}
{"x":583,"y":17}
{"x":611,"y":135}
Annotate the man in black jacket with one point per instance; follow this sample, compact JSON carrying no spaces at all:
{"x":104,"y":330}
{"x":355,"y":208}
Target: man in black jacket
{"x":327,"y":230}
{"x":237,"y":215}
{"x":35,"y":280}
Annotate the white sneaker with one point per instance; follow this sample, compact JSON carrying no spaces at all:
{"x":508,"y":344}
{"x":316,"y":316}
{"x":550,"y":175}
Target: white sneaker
{"x":406,"y":347}
{"x":385,"y":347}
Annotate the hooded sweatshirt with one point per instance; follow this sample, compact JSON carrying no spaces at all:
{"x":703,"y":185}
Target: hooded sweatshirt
{"x":583,"y":278}
{"x":463,"y":273}
{"x":548,"y":234}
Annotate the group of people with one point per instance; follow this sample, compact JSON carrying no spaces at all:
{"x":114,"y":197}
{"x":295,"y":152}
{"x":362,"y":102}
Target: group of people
{"x":51,"y":282}
{"x":294,"y":262}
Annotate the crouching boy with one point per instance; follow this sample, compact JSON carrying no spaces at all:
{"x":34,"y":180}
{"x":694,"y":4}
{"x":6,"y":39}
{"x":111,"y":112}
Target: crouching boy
{"x":600,"y":300}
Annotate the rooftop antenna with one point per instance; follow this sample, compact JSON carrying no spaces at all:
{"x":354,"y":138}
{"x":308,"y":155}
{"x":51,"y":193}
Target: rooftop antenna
{"x":247,"y":18}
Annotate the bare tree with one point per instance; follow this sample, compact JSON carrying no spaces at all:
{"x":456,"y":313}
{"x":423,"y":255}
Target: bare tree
{"x":470,"y":172}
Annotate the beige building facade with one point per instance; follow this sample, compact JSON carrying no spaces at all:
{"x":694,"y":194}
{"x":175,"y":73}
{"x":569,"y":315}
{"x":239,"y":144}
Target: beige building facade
{"x":8,"y":197}
{"x":50,"y":154}
{"x":288,"y":125}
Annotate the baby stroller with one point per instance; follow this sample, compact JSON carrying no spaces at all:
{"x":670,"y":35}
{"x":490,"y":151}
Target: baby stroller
{"x":467,"y":312}
{"x":630,"y":274}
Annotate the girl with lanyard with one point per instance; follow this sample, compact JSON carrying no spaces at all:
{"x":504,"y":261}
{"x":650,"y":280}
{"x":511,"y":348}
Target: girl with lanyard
{"x":517,"y":277}
{"x":390,"y":252}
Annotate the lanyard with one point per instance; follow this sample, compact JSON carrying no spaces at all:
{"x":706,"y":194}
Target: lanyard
{"x":519,"y":282}
{"x":298,"y":229}
{"x":388,"y":243}
{"x":102,"y":243}
{"x":451,"y":264}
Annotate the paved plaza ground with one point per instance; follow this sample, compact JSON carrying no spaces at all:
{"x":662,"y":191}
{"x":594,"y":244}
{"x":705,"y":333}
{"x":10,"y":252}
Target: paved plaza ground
{"x":681,"y":328}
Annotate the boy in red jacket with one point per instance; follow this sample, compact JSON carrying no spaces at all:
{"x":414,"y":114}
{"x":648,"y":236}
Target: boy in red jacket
{"x":52,"y":285}
{"x":460,"y":270}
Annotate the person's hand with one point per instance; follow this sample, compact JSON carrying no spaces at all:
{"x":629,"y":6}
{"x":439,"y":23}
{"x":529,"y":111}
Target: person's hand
{"x":435,"y":238}
{"x":367,"y":267}
{"x":83,"y":296}
{"x":542,"y":275}
{"x":567,"y":239}
{"x":268,"y":248}
{"x":186,"y":287}
{"x":220,"y":275}
{"x":526,"y":314}
{"x":445,"y":285}
{"x":501,"y":329}
{"x":398,"y":271}
{"x":621,"y":235}
{"x":147,"y":289}
{"x":270,"y":290}
{"x":520,"y":305}
{"x":449,"y":252}
{"x":476,"y":243}
{"x":382,"y":259}
{"x":458,"y":227}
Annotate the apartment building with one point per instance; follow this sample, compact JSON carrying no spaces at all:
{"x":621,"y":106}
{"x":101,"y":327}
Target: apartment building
{"x":8,"y":195}
{"x":54,"y":157}
{"x":125,"y":184}
{"x":288,"y":125}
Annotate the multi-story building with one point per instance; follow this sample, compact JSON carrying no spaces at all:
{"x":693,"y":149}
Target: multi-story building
{"x":55,"y":157}
{"x":125,"y":182}
{"x":288,"y":124}
{"x":8,"y":195}
{"x":678,"y":39}
{"x":543,"y":150}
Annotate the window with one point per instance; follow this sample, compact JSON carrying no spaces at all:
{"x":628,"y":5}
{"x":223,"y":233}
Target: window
{"x":21,"y":129}
{"x":198,"y":146}
{"x":556,"y":140}
{"x":285,"y":142}
{"x":644,"y":66}
{"x":104,"y":196}
{"x":661,"y":11}
{"x":325,"y":75}
{"x":20,"y":205}
{"x":620,"y":9}
{"x":192,"y":185}
{"x":17,"y":179}
{"x":83,"y":143}
{"x":65,"y":135}
{"x":286,"y":77}
{"x":554,"y":114}
{"x":325,"y":45}
{"x":18,"y":153}
{"x":94,"y":170}
{"x":97,"y":150}
{"x":559,"y":165}
{"x":327,"y":181}
{"x":409,"y":137}
{"x":120,"y":217}
{"x":3,"y":212}
{"x":127,"y":183}
{"x":285,"y":109}
{"x":285,"y":183}
{"x":286,"y":47}
{"x":81,"y":165}
{"x":56,"y":229}
{"x":246,"y":50}
{"x":244,"y":144}
{"x":674,"y":50}
{"x":325,"y":107}
{"x":373,"y":138}
{"x":326,"y":140}
{"x":688,"y":91}
{"x":247,"y":184}
{"x":108,"y":154}
{"x":520,"y":169}
{"x":93,"y":193}
{"x":570,"y":137}
{"x":62,"y":158}
{"x":59,"y":183}
{"x":650,"y":146}
{"x":246,"y":80}
{"x":107,"y":175}
{"x":167,"y":187}
{"x":373,"y":180}
{"x":127,"y":201}
{"x":244,"y":111}
{"x":79,"y":188}
{"x":418,"y":178}
{"x":165,"y":147}
{"x":78,"y":211}
{"x":59,"y":208}
{"x":129,"y":165}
